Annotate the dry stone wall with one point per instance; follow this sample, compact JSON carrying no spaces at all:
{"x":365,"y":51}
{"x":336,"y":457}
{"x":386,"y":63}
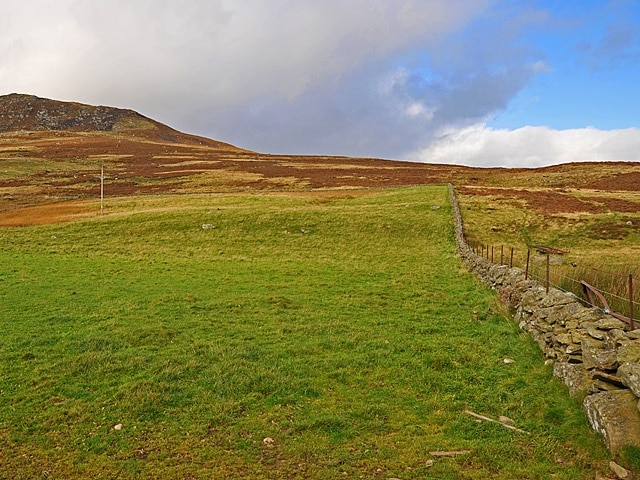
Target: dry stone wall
{"x":595,"y":354}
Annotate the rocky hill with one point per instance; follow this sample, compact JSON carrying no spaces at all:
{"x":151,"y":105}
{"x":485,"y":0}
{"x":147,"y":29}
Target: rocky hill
{"x":20,"y":113}
{"x":28,"y":112}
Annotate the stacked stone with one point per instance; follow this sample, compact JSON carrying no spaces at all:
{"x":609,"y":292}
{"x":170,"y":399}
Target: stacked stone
{"x":594,"y":353}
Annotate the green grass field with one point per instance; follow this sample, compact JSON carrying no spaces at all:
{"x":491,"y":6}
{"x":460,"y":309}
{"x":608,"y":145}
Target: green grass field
{"x":316,"y":336}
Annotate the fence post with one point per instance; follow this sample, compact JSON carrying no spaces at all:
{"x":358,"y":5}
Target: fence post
{"x":633,"y":326}
{"x":491,"y":253}
{"x":511,"y":261}
{"x":501,"y":254}
{"x":526,"y":272}
{"x":548,"y":263}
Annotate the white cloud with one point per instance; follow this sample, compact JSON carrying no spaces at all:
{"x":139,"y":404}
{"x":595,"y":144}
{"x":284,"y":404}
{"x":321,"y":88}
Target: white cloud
{"x":529,"y":146}
{"x":419,"y":109}
{"x":222,"y":53}
{"x":35,"y":42}
{"x":249,"y":72}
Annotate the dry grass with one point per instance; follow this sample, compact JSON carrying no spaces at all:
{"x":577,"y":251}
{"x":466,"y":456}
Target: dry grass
{"x":600,"y":230}
{"x":49,"y":213}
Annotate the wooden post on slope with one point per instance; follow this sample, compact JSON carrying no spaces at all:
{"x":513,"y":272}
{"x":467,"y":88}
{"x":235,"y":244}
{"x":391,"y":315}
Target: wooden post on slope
{"x":631,"y":312}
{"x":547,"y":279}
{"x":101,"y":188}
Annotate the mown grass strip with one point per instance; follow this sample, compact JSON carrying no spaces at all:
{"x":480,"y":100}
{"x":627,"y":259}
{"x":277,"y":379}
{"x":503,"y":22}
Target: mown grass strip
{"x":295,"y":336}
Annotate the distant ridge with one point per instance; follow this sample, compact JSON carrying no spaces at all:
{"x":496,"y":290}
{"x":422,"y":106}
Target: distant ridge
{"x":53,"y":152}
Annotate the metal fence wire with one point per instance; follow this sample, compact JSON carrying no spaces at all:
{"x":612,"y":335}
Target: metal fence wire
{"x":614,"y":292}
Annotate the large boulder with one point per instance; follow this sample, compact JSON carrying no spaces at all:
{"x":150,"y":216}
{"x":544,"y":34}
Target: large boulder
{"x":615,"y":416}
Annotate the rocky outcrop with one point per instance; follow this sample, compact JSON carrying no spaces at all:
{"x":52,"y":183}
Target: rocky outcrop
{"x":594,"y":353}
{"x":28,"y":112}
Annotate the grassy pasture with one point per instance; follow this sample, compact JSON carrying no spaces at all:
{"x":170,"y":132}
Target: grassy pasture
{"x":324,"y":335}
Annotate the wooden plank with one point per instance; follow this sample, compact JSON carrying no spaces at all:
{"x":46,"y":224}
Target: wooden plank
{"x":487,"y":419}
{"x":450,"y":454}
{"x":549,"y":250}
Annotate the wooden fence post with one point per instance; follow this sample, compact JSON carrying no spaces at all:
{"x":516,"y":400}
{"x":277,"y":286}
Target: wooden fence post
{"x":511,"y":261}
{"x":633,"y":326}
{"x":526,"y":272}
{"x":548,"y":263}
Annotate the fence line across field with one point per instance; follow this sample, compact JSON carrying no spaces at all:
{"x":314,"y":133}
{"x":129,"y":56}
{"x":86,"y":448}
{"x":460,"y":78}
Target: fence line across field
{"x":505,"y":254}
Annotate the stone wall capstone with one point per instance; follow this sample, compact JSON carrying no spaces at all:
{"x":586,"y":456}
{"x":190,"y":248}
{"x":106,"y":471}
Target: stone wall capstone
{"x":592,"y":352}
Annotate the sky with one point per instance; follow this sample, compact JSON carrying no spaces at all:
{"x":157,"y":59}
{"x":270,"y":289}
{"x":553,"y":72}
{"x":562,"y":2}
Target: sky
{"x":468,"y":82}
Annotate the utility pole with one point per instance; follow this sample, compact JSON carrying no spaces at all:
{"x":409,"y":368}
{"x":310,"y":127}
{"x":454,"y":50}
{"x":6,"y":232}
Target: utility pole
{"x":101,"y":188}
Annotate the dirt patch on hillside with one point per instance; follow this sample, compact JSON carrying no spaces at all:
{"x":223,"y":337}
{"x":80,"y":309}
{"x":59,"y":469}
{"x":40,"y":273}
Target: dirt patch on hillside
{"x":547,"y":202}
{"x":49,"y":213}
{"x":617,"y":230}
{"x":616,"y":204}
{"x":623,"y":181}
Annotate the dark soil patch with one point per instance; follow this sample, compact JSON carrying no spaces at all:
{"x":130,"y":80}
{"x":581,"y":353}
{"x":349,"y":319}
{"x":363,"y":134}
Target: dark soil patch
{"x":618,"y":230}
{"x":547,"y":202}
{"x":616,"y":204}
{"x":623,"y":181}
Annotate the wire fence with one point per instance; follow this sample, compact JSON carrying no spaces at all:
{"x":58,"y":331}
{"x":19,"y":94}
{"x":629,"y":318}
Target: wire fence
{"x":615,"y":292}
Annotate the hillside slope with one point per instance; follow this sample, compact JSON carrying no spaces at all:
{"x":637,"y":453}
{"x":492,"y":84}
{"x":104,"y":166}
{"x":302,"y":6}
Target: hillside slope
{"x":52,"y":151}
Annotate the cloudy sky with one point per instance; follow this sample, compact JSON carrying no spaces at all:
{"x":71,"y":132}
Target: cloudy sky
{"x":473,"y":82}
